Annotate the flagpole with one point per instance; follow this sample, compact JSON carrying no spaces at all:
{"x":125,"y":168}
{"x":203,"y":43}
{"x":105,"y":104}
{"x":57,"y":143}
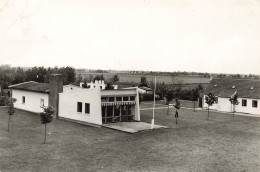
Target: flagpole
{"x":152,"y":123}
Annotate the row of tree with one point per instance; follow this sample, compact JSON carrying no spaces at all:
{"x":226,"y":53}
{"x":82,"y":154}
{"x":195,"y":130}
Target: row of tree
{"x":12,"y":75}
{"x":46,"y":115}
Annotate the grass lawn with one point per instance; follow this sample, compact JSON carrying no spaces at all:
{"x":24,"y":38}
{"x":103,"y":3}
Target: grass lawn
{"x":224,"y":143}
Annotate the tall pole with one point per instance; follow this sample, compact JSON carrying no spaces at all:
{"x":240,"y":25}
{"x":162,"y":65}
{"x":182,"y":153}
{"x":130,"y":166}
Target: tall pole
{"x":152,"y":124}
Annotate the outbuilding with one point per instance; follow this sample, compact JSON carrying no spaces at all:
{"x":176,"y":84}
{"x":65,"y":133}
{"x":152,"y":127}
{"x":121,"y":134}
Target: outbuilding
{"x":248,"y":92}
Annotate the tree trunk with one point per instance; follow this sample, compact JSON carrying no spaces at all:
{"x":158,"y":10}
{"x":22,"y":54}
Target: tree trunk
{"x":168,"y":109}
{"x":194,"y":106}
{"x":208,"y":114}
{"x":233,"y":110}
{"x":9,"y":122}
{"x":176,"y":120}
{"x":45,"y":135}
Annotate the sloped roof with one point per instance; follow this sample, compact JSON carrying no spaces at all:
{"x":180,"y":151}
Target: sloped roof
{"x":31,"y":86}
{"x":223,"y":88}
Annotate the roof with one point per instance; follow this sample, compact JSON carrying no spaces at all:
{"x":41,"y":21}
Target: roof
{"x":31,"y":86}
{"x":146,"y":88}
{"x":226,"y":87}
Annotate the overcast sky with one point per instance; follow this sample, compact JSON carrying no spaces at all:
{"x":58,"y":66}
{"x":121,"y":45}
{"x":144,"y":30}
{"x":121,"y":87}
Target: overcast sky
{"x":220,"y":36}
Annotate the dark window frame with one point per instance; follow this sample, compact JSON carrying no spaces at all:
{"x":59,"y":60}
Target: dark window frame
{"x":244,"y":102}
{"x":79,"y":107}
{"x":254,"y":103}
{"x":87,"y":108}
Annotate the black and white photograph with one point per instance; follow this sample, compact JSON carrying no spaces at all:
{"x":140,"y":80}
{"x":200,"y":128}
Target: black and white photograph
{"x":130,"y":85}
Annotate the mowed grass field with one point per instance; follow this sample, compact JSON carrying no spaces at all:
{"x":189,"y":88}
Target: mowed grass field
{"x":224,"y":143}
{"x":167,"y":79}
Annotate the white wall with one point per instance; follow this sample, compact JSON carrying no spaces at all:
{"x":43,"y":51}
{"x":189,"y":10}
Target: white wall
{"x":248,"y":108}
{"x":68,"y":105}
{"x":71,"y":88}
{"x":32,"y":100}
{"x":225,"y":105}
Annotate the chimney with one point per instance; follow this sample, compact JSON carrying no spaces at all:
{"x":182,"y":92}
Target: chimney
{"x":56,"y":87}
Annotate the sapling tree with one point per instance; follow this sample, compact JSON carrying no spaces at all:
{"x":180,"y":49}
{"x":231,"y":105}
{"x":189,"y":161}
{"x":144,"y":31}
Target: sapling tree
{"x":169,"y":97}
{"x":194,"y":96}
{"x":234,"y":101}
{"x":11,"y":109}
{"x":177,"y":106}
{"x":210,"y":99}
{"x":46,"y":117}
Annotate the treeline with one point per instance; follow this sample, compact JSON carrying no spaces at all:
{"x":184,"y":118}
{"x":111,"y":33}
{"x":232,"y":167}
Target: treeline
{"x":14,"y":75}
{"x":168,"y":91}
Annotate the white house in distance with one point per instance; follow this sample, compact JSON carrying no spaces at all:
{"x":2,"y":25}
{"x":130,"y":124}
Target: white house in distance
{"x":248,"y":92}
{"x":93,"y":106}
{"x":97,"y":84}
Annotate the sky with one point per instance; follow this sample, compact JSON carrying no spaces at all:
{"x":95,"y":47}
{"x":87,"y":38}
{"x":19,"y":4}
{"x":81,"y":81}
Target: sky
{"x":215,"y":36}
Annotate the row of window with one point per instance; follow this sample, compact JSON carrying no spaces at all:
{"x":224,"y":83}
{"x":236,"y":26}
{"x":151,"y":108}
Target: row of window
{"x":87,"y":107}
{"x":118,"y":99}
{"x":41,"y":101}
{"x":244,"y":103}
{"x":254,"y":103}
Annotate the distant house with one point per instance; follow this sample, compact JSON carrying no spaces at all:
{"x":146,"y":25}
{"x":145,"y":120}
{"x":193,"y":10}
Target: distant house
{"x":248,"y":92}
{"x":97,"y":84}
{"x":94,"y":106}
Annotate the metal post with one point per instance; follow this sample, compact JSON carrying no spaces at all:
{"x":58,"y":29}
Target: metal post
{"x":152,"y":123}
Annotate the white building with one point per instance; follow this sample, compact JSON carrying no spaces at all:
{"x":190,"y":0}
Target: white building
{"x":98,"y":84}
{"x":248,"y":92}
{"x":94,"y":106}
{"x":100,"y":106}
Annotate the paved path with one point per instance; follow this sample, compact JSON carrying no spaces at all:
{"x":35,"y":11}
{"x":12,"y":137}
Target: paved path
{"x":131,"y":127}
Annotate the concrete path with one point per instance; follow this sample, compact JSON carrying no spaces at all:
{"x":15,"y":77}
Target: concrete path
{"x":131,"y":127}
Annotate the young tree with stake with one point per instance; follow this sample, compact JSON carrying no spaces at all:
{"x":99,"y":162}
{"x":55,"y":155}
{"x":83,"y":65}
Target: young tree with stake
{"x":177,"y":107}
{"x":11,"y":109}
{"x":234,"y":101}
{"x":46,"y":117}
{"x":169,"y":97}
{"x":210,"y":99}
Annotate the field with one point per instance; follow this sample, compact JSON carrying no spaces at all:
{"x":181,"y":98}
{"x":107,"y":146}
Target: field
{"x":167,"y":79}
{"x":224,"y":143}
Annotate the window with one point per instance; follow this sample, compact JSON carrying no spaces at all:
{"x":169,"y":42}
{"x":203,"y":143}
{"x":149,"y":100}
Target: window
{"x":111,"y":99}
{"x":79,"y":107}
{"x":118,"y":99}
{"x":254,"y":103}
{"x":23,"y":100}
{"x":244,"y":102}
{"x":125,"y":98}
{"x":87,"y":108}
{"x":42,"y":103}
{"x":132,"y":98}
{"x":104,"y":99}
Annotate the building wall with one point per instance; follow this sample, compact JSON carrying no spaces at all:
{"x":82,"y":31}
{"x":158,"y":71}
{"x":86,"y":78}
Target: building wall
{"x":248,"y":108}
{"x":68,"y":105}
{"x":32,"y":100}
{"x":71,"y":88}
{"x":225,"y":105}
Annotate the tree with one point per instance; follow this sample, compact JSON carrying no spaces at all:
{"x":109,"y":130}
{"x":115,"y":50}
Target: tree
{"x":98,"y":77}
{"x":11,"y":109}
{"x":85,"y":85}
{"x":169,"y":97}
{"x":234,"y":101}
{"x":109,"y":86}
{"x":115,"y":78}
{"x":177,"y":106}
{"x":194,"y":96}
{"x":143,"y":82}
{"x":210,"y":100}
{"x":46,"y":117}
